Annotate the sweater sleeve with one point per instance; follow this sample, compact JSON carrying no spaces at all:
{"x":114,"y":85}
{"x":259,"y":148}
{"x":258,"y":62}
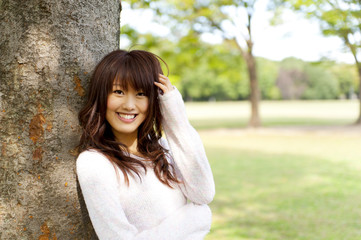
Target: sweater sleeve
{"x":99,"y":184}
{"x":187,"y":150}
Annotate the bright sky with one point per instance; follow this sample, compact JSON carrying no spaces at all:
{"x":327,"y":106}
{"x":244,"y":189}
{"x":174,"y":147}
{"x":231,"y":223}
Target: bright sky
{"x":296,"y":36}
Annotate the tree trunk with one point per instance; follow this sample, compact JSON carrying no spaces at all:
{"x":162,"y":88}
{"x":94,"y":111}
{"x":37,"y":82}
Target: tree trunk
{"x":48,"y":48}
{"x":255,"y":96}
{"x":353,"y":49}
{"x":358,"y":121}
{"x":255,"y":120}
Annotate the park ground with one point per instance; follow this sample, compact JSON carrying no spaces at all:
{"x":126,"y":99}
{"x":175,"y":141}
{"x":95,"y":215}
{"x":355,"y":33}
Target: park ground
{"x":297,"y":177}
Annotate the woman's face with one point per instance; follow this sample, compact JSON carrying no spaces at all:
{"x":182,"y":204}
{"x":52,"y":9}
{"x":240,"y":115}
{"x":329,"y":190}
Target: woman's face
{"x":126,"y":110}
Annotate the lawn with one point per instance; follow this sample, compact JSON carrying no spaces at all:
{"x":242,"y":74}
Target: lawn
{"x":282,"y":185}
{"x":286,"y":182}
{"x":208,"y":115}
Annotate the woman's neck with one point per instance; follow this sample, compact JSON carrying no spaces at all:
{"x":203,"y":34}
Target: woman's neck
{"x":130,"y":140}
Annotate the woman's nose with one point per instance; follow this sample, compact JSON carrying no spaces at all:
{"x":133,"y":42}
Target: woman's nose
{"x":129,"y":103}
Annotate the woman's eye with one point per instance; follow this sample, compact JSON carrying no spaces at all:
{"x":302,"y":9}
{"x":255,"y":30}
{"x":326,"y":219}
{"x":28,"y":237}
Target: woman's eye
{"x":141,"y":94}
{"x":118,"y":92}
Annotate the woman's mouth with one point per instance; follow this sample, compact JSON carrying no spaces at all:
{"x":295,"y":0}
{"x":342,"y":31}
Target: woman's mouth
{"x":128,"y":118}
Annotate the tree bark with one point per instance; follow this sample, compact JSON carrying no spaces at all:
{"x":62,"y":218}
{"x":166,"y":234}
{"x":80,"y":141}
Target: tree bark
{"x":255,"y":96}
{"x":353,"y":49}
{"x":48,"y":48}
{"x":255,"y":120}
{"x":358,"y":121}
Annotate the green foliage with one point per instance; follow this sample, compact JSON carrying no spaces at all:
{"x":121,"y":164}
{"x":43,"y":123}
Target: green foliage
{"x":210,"y":72}
{"x":202,"y":71}
{"x":267,"y":74}
{"x":337,"y":18}
{"x":321,"y":84}
{"x":199,"y":70}
{"x":292,"y":63}
{"x":302,"y":80}
{"x":347,"y":77}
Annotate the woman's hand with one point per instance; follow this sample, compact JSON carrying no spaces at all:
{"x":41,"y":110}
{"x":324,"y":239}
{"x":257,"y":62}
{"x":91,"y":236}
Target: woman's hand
{"x":164,"y":84}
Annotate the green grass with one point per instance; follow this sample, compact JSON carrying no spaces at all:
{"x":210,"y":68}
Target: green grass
{"x":201,"y":124}
{"x":211,"y":115}
{"x":284,"y":181}
{"x":302,"y":185}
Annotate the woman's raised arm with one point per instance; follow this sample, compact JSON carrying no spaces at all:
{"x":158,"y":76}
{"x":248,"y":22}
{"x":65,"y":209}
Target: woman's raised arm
{"x":186,"y":149}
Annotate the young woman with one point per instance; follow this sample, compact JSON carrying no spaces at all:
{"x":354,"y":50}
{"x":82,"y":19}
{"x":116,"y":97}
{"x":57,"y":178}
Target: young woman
{"x":136,"y":184}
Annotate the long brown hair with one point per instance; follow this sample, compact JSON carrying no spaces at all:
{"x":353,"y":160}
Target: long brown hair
{"x":138,"y":69}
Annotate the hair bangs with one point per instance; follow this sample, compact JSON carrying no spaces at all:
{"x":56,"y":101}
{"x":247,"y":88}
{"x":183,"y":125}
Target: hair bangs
{"x":137,"y":73}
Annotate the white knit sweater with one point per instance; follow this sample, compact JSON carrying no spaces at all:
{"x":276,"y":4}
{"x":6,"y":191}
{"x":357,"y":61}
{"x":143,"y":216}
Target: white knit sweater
{"x":148,"y":209}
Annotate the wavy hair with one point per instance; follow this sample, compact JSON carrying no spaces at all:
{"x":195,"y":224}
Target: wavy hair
{"x":138,"y":69}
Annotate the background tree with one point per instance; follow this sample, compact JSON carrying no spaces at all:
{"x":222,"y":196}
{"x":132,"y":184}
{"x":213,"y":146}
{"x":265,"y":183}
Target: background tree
{"x":321,"y":84}
{"x":292,"y":79}
{"x":267,"y":72}
{"x":231,"y":19}
{"x":47,"y":49}
{"x":347,"y":78}
{"x":215,"y":71}
{"x":340,"y":18}
{"x":200,"y":70}
{"x":303,"y":80}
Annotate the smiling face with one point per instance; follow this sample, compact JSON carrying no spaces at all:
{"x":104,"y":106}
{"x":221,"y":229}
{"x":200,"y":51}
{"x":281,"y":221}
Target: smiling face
{"x":126,"y":111}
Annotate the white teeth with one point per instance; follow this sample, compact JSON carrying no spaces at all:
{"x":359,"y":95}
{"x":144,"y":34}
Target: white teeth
{"x":126,"y":116}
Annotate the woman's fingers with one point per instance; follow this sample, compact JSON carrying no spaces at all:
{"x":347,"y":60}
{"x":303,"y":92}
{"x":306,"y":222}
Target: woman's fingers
{"x":161,"y":86}
{"x":163,"y":79}
{"x":164,"y":84}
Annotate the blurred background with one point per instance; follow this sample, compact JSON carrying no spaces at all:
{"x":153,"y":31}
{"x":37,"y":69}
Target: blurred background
{"x":273,"y":89}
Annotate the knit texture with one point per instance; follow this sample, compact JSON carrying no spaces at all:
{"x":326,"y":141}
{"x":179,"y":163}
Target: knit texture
{"x":147,"y":208}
